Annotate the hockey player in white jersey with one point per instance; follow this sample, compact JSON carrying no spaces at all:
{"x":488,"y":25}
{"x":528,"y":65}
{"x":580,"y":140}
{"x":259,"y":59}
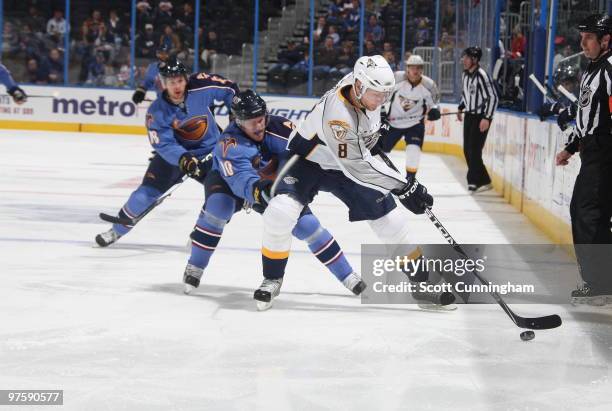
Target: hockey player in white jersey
{"x":333,"y":144}
{"x":414,"y":98}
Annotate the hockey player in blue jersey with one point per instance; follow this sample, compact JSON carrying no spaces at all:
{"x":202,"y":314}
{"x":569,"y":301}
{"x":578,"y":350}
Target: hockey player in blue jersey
{"x":151,"y":80}
{"x":19,"y":96}
{"x":182,"y":131}
{"x":244,"y":161}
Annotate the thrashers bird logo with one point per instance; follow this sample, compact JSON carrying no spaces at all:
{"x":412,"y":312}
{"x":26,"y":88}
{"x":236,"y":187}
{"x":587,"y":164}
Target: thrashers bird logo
{"x":191,"y":129}
{"x":407,"y":104}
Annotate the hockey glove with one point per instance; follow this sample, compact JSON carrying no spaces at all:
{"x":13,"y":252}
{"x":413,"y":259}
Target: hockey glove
{"x":139,"y":95}
{"x":261,"y":194}
{"x":414,"y":196}
{"x":566,"y":116}
{"x":194,"y":167}
{"x":19,"y":96}
{"x":434,"y":114}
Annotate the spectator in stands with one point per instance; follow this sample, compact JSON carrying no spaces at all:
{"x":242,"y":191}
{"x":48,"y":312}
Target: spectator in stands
{"x":211,"y":46}
{"x":286,"y":60}
{"x":146,"y":43}
{"x":164,"y":14}
{"x":333,"y":33}
{"x":447,"y":46}
{"x":320,"y":31}
{"x":334,"y":12}
{"x":374,"y":31}
{"x":388,"y":46}
{"x":390,"y":57}
{"x":351,"y":23}
{"x":325,"y":59}
{"x":56,"y":26}
{"x":36,"y":22}
{"x":12,"y":41}
{"x":370,"y":48}
{"x":345,"y":61}
{"x":34,"y":73}
{"x":185,"y":23}
{"x":116,"y":27}
{"x":95,"y":70}
{"x":93,"y":22}
{"x":144,"y":15}
{"x":299,"y":71}
{"x":31,"y":44}
{"x":170,"y":40}
{"x":104,"y":43}
{"x":518,"y":44}
{"x":422,"y":34}
{"x":563,"y":51}
{"x":54,"y":66}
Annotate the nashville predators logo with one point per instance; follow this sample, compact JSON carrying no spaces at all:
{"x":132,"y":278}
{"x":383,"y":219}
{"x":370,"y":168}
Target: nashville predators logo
{"x":407,"y":104}
{"x":191,"y":129}
{"x":339,"y":129}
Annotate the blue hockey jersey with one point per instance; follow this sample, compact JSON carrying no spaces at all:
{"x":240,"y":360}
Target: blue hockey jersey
{"x":5,"y":78}
{"x":190,"y":126}
{"x":151,"y":79}
{"x":240,"y":159}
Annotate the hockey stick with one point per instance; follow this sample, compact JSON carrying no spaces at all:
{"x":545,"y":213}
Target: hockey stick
{"x":135,"y":220}
{"x":542,"y":89}
{"x":282,"y":173}
{"x":54,"y":95}
{"x":536,"y":323}
{"x":567,"y":94}
{"x":533,"y":323}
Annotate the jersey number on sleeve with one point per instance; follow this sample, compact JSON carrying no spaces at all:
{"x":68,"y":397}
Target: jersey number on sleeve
{"x":342,"y":150}
{"x":228,"y":169}
{"x":153,"y":137}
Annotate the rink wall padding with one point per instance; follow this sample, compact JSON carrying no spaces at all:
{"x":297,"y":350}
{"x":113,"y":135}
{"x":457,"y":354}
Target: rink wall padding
{"x":519,"y":153}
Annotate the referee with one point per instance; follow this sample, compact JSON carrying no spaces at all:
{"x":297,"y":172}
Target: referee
{"x":479,"y":100}
{"x":591,"y":205}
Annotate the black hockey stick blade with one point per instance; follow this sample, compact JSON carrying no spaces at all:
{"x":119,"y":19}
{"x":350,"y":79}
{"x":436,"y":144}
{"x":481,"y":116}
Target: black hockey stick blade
{"x":116,"y":220}
{"x":538,"y":323}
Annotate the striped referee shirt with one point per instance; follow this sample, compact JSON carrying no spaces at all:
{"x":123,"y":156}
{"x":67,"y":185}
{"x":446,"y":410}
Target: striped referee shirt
{"x":595,"y":101}
{"x":478,"y":95}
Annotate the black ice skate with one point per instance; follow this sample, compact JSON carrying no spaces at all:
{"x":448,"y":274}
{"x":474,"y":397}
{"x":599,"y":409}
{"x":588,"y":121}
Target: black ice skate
{"x":266,"y":292}
{"x":586,"y":295}
{"x":191,"y":278}
{"x":354,"y":283}
{"x":107,"y":238}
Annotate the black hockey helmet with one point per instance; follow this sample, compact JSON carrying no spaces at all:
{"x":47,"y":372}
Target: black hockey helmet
{"x":599,"y":24}
{"x":172,"y":68}
{"x":473,"y":51}
{"x":248,"y":104}
{"x":565,"y":72}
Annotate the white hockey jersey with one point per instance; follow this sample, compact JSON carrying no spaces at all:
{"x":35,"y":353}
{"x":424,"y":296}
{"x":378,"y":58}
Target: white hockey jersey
{"x":347,"y":133}
{"x":409,"y":104}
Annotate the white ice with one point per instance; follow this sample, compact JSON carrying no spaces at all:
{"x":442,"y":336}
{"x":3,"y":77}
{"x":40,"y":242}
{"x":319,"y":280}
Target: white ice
{"x":112,"y":328}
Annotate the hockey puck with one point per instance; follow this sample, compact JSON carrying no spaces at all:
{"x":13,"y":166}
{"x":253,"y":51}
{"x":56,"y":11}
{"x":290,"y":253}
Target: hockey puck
{"x":527,"y":335}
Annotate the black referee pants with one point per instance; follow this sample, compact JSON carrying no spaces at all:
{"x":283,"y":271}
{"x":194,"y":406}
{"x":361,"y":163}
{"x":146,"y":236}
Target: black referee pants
{"x":591,"y":211}
{"x":473,"y":143}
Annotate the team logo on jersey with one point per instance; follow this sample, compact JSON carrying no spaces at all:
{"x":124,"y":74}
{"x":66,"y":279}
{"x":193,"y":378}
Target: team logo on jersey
{"x":192,"y":129}
{"x":227,"y":143}
{"x":407,"y":104}
{"x":585,"y":96}
{"x":339,"y":128}
{"x":290,"y":180}
{"x":472,"y":89}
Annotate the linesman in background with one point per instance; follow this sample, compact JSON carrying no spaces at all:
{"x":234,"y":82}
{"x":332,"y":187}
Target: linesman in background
{"x":478,"y":101}
{"x":591,"y":205}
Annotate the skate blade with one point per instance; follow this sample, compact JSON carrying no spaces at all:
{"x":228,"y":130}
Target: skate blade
{"x":599,"y":301}
{"x":264,"y":305}
{"x":437,"y":307}
{"x":188,"y":289}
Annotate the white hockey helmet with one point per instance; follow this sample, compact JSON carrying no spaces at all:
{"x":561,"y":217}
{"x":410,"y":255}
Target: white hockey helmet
{"x":414,"y":60}
{"x":373,"y":72}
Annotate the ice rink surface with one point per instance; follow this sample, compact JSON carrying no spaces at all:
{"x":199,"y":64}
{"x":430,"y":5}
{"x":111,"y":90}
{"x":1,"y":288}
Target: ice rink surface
{"x":112,"y":328}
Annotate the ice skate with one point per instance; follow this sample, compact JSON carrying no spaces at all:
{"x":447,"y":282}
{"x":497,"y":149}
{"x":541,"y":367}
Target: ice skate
{"x":191,"y":278}
{"x":586,"y":295}
{"x":482,"y":188}
{"x":107,"y":238}
{"x":435,"y":301}
{"x":267,"y":291}
{"x":354,"y":283}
